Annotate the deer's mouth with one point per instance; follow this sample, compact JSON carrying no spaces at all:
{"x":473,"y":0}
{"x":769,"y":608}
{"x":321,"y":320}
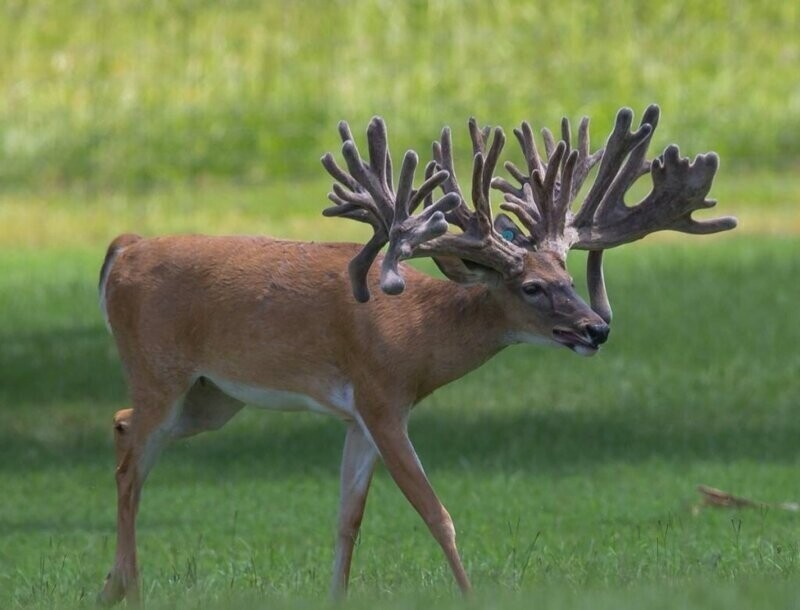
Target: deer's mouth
{"x":579,"y":344}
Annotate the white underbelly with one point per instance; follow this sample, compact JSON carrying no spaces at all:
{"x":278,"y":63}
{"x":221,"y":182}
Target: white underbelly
{"x":340,"y":401}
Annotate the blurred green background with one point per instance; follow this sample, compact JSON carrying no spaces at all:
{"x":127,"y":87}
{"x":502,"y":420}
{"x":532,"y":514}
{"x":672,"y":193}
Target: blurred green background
{"x":131,"y":93}
{"x":571,"y":481}
{"x":183,"y":115}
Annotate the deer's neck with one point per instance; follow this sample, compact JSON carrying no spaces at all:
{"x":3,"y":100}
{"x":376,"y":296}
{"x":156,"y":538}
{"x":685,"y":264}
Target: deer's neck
{"x":464,"y":326}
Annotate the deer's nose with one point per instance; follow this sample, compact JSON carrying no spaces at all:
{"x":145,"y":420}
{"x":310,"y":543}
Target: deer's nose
{"x":598,"y":333}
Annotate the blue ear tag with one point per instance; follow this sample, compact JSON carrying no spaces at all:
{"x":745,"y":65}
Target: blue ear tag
{"x":508,"y":234}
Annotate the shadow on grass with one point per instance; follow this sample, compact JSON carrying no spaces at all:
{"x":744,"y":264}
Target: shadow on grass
{"x":59,"y":366}
{"x":283,"y":445}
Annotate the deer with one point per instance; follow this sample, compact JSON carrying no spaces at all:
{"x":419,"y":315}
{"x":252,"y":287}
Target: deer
{"x":205,"y":325}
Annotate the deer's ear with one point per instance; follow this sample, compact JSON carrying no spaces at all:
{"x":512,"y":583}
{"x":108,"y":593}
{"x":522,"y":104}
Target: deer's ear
{"x":462,"y":272}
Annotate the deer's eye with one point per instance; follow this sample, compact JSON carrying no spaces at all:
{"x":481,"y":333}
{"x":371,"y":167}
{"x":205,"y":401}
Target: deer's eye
{"x":532,"y":289}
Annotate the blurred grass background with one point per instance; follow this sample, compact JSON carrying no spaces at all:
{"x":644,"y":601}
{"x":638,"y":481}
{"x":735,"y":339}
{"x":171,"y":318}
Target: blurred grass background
{"x":128,"y":94}
{"x":570,"y":480}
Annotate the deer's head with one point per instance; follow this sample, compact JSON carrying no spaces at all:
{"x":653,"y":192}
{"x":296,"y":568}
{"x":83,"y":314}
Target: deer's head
{"x":523,"y":262}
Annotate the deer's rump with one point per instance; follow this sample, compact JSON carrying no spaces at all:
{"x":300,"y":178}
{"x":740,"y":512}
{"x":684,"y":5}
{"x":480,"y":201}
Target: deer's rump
{"x":203,"y":305}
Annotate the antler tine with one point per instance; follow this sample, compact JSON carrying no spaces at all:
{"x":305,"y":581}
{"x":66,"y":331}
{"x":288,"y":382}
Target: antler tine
{"x":598,"y":297}
{"x":359,"y":266}
{"x":483,"y":166}
{"x":405,"y":184}
{"x":333,"y":168}
{"x":544,"y":190}
{"x":477,"y":189}
{"x":566,"y":134}
{"x":430,"y":169}
{"x":443,"y":157}
{"x":632,"y":169}
{"x":344,"y":131}
{"x":566,"y":192}
{"x":351,"y":205}
{"x":524,"y":208}
{"x":528,"y":143}
{"x":388,"y":172}
{"x":521,"y":201}
{"x":586,"y":160}
{"x":379,"y":158}
{"x":478,"y":135}
{"x":524,"y":135}
{"x":549,"y":143}
{"x":619,"y":145}
{"x":482,"y":177}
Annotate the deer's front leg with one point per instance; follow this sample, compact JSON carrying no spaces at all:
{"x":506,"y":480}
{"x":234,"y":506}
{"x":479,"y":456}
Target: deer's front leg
{"x":358,"y":464}
{"x":391,"y":439}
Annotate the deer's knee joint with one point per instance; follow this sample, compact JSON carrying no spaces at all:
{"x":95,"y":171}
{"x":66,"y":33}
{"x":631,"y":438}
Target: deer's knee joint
{"x":442,"y":527}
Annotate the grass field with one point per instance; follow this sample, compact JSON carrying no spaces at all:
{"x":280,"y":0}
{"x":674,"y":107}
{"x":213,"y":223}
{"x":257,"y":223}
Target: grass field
{"x":571,"y":481}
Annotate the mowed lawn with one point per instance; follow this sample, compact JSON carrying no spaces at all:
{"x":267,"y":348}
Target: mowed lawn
{"x":571,"y":480}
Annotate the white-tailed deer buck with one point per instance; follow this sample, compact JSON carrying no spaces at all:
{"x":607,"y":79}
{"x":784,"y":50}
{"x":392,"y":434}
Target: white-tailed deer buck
{"x":205,"y":325}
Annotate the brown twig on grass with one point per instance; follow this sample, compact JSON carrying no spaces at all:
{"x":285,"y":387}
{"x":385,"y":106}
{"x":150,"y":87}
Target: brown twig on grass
{"x":717,"y":498}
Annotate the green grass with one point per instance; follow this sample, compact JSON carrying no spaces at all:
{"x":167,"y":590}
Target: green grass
{"x":570,"y":480}
{"x":127,"y":94}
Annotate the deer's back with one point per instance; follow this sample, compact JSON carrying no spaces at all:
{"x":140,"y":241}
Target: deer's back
{"x":248,"y":308}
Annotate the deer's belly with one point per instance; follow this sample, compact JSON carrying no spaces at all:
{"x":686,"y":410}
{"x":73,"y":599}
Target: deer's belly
{"x":339,"y":403}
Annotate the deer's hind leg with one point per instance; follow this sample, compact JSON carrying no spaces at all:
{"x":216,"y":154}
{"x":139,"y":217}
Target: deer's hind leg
{"x":203,"y":407}
{"x":140,"y":434}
